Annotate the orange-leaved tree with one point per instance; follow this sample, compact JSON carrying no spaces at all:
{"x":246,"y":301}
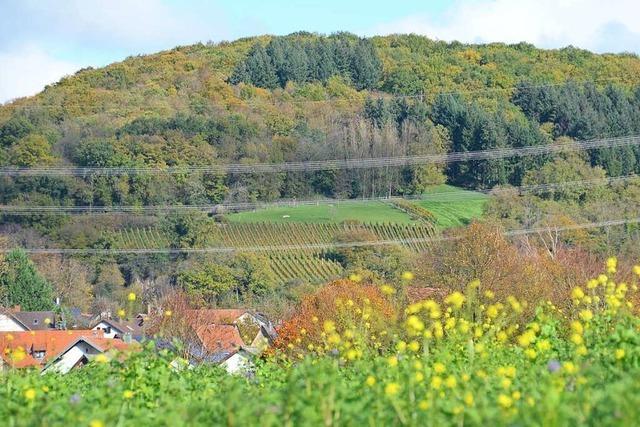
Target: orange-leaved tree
{"x":343,"y":306}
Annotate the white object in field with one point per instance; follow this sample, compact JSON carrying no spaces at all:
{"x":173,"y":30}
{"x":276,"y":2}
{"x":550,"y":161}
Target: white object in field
{"x":286,"y":216}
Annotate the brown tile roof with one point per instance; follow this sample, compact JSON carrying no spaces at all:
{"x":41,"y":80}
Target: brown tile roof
{"x":36,"y":320}
{"x":220,"y":338}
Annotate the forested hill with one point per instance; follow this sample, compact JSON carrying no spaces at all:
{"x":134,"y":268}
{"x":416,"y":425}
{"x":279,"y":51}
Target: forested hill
{"x":305,"y":96}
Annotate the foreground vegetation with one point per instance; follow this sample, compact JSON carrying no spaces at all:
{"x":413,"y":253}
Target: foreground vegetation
{"x":470,"y":358}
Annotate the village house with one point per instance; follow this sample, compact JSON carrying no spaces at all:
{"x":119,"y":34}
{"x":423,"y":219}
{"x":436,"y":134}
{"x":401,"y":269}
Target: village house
{"x":54,"y":350}
{"x":15,"y":320}
{"x":121,"y":328}
{"x":229,"y":337}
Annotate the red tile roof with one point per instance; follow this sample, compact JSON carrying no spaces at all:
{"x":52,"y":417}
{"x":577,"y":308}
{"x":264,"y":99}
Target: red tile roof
{"x":51,"y":342}
{"x":220,"y":338}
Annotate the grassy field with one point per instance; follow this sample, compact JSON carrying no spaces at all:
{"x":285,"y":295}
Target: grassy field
{"x":451,"y":206}
{"x":365,"y":211}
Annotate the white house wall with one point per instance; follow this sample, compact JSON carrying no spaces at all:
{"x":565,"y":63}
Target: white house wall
{"x":69,"y":359}
{"x":103,"y":326}
{"x":7,"y":324}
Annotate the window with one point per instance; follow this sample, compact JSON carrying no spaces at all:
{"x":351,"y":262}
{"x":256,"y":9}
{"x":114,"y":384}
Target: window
{"x":39,"y":354}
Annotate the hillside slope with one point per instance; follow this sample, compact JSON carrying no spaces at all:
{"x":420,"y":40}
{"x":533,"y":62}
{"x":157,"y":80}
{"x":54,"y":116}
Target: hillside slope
{"x":306,"y":97}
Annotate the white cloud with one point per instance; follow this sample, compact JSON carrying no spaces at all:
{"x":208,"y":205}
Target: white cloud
{"x":611,"y":26}
{"x":26,"y":71}
{"x":139,"y":24}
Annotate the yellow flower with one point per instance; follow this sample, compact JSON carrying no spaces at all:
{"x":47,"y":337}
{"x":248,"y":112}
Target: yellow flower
{"x":620,"y":354}
{"x":168,"y":313}
{"x":493,"y":311}
{"x":333,"y":339}
{"x":314,"y":319}
{"x":414,"y":324}
{"x":569,"y":368}
{"x":526,"y":338}
{"x":101,"y":358}
{"x":505,"y":383}
{"x":586,"y":315}
{"x":30,"y":394}
{"x":439,"y":368}
{"x":370,"y":381}
{"x":456,"y":299}
{"x":18,"y":355}
{"x":328,"y":326}
{"x":577,"y":327}
{"x":414,"y":346}
{"x":387,"y":290}
{"x":489,"y":294}
{"x":436,"y":382}
{"x":391,"y":389}
{"x":122,"y":313}
{"x":407,"y":275}
{"x":505,"y":401}
{"x":128,"y":394}
{"x":582,"y":350}
{"x":636,"y":270}
{"x":543,"y":345}
{"x":392,"y":361}
{"x":516,"y":395}
{"x":577,"y":339}
{"x":352,"y":354}
{"x":47,"y":321}
{"x":577,"y":293}
{"x":419,"y":377}
{"x":530,"y":353}
{"x":131,"y":296}
{"x":401,"y":346}
{"x":612,"y":264}
{"x":423,"y":405}
{"x":507,"y":371}
{"x":355,"y":278}
{"x":468,"y":399}
{"x":451,"y":382}
{"x":96,"y":423}
{"x":516,"y":306}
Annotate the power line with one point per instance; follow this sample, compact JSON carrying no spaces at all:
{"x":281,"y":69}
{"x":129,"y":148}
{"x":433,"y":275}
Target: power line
{"x":318,"y":165}
{"x":445,"y":196}
{"x":315,"y":246}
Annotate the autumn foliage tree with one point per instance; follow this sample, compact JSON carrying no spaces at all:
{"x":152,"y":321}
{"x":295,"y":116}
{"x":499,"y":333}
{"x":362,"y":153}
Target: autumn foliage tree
{"x":343,"y":302}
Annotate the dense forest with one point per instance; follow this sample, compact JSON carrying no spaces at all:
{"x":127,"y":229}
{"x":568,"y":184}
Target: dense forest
{"x":297,"y":98}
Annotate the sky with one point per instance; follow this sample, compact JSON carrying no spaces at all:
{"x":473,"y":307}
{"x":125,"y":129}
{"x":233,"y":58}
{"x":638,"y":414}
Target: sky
{"x":44,"y":40}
